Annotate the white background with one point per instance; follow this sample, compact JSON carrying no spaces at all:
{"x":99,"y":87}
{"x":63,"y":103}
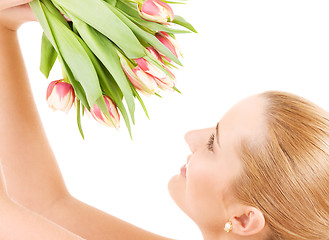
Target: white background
{"x":242,"y":48}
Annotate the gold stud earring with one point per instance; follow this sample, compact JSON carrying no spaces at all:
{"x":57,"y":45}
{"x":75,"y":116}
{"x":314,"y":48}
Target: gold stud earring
{"x":228,"y":227}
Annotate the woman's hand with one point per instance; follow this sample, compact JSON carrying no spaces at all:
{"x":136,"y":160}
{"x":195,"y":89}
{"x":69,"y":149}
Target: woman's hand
{"x":13,"y":13}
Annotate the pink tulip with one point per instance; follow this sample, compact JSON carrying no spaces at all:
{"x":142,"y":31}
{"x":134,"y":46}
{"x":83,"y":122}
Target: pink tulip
{"x":145,"y":82}
{"x":99,"y":116}
{"x":164,"y":81}
{"x":170,"y":43}
{"x":139,"y":79}
{"x":60,"y":96}
{"x":156,"y":11}
{"x":155,"y":54}
{"x":150,"y":68}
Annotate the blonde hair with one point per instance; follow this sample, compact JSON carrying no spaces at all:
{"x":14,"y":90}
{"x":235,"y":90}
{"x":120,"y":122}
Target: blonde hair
{"x":286,"y":174}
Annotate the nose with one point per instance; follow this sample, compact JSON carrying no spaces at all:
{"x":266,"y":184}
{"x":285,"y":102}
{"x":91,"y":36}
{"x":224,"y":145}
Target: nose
{"x":190,"y":139}
{"x":198,"y":138}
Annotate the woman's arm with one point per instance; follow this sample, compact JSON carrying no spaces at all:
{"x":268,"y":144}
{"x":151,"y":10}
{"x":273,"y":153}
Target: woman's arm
{"x":19,"y":223}
{"x":94,"y":224}
{"x":30,"y":168}
{"x":32,"y":176}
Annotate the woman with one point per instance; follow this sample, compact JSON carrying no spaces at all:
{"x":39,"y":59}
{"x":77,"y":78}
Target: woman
{"x":262,"y":173}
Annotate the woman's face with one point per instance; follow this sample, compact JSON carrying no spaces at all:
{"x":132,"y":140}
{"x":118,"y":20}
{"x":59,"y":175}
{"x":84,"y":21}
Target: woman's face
{"x":202,"y":189}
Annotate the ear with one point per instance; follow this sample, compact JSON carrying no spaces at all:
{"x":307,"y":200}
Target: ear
{"x":249,"y":222}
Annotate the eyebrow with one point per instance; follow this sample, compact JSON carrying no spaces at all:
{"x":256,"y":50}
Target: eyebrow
{"x":217,"y":135}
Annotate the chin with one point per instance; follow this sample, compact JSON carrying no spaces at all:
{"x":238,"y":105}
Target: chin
{"x":177,"y":189}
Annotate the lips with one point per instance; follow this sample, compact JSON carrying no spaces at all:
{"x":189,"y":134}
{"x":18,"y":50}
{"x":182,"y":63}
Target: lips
{"x":183,"y":170}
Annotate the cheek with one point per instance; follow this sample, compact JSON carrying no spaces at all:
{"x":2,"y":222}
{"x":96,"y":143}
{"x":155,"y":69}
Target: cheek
{"x":204,"y":189}
{"x":201,"y":180}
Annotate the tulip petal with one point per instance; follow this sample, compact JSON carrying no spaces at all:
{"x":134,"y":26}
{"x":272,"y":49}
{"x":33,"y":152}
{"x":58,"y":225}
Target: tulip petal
{"x":51,"y":88}
{"x":157,"y":10}
{"x":60,"y":96}
{"x":146,"y":82}
{"x":150,"y":68}
{"x":132,"y":11}
{"x":114,"y":118}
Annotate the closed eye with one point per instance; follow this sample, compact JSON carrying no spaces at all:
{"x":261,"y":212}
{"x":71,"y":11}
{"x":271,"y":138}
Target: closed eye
{"x":210,"y":143}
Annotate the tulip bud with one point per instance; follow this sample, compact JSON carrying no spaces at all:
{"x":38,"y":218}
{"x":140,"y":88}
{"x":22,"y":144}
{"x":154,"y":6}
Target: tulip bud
{"x":155,"y":53}
{"x":160,"y":77}
{"x":150,"y":68}
{"x":145,"y":82}
{"x":156,"y":11}
{"x":99,"y":116}
{"x":170,"y":43}
{"x":60,"y":96}
{"x":166,"y":83}
{"x":139,"y":79}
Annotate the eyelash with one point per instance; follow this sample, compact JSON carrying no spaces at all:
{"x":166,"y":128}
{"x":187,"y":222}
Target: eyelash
{"x":210,"y":143}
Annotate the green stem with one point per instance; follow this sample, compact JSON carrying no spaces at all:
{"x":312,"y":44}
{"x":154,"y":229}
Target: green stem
{"x":79,"y":119}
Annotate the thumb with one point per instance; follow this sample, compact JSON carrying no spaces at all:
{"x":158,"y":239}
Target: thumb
{"x":4,"y":4}
{"x":14,"y":17}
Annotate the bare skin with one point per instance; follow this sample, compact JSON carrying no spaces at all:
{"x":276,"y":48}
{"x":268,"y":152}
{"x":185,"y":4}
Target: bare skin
{"x":32,"y":178}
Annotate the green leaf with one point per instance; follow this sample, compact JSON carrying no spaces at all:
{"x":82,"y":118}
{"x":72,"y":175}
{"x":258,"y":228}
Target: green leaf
{"x":182,"y":22}
{"x":48,"y":56}
{"x":96,"y":14}
{"x":108,"y":85}
{"x":112,"y":2}
{"x":156,"y":27}
{"x":128,"y":7}
{"x":79,"y":119}
{"x":82,"y":110}
{"x":158,"y":95}
{"x":140,"y":101}
{"x":51,"y":8}
{"x":151,"y":39}
{"x":40,"y":15}
{"x":177,"y":90}
{"x":38,"y":10}
{"x":111,"y":89}
{"x":175,"y":1}
{"x":80,"y":92}
{"x":76,"y":58}
{"x":105,"y":50}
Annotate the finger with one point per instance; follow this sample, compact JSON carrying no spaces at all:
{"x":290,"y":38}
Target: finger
{"x":4,"y":4}
{"x":26,"y":12}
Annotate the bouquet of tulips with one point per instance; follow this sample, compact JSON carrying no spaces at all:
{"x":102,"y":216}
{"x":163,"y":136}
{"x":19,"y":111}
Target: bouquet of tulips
{"x":109,"y":50}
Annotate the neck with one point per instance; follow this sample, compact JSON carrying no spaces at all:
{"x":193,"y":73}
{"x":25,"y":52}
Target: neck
{"x":227,"y":236}
{"x":216,"y":235}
